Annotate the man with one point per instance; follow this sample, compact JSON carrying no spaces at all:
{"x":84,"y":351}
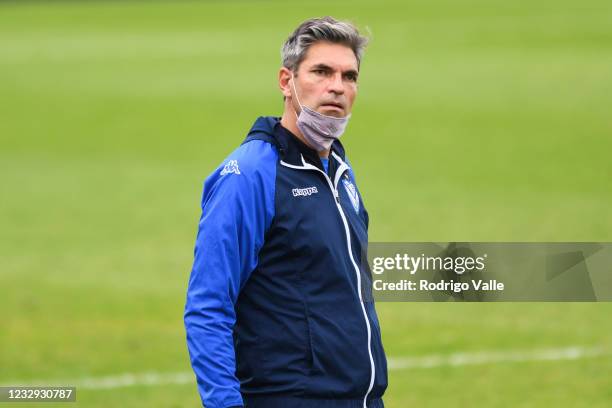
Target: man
{"x":275,"y":315}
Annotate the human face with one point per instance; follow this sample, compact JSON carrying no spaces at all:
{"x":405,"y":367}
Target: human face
{"x":326,"y":80}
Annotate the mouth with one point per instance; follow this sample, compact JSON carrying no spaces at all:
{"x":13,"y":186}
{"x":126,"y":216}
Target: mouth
{"x":333,"y":106}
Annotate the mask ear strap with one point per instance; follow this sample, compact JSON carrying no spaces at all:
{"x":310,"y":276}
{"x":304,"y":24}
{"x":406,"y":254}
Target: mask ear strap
{"x":295,"y":92}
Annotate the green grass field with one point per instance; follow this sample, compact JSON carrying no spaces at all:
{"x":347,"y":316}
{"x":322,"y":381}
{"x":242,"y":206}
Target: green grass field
{"x":476,"y":121}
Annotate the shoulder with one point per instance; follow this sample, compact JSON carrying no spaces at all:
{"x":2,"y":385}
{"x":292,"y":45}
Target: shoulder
{"x":250,"y":159}
{"x":250,"y":167}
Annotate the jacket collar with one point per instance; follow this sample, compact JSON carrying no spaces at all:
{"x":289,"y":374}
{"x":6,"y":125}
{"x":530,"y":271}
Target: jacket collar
{"x":291,"y":148}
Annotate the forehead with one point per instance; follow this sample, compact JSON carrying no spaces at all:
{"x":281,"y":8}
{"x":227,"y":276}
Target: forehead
{"x":337,"y":56}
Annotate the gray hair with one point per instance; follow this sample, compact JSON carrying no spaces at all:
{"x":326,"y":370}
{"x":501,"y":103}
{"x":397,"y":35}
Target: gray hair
{"x":327,"y":29}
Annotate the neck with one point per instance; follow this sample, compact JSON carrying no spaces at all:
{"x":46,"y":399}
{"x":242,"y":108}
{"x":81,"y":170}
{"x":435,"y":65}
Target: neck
{"x":289,"y":122}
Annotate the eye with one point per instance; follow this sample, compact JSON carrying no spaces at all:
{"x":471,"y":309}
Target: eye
{"x":351,"y":77}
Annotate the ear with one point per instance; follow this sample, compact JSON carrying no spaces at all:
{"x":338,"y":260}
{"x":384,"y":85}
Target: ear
{"x":284,"y":77}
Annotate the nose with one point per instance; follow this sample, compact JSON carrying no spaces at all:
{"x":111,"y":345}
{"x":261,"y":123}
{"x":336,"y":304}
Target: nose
{"x":336,"y":85}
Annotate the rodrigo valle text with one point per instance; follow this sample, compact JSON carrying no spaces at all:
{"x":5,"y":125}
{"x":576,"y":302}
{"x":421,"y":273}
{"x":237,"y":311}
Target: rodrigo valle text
{"x":448,"y":286}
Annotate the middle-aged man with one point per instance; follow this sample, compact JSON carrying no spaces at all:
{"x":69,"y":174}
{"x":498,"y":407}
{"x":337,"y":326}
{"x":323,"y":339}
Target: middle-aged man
{"x":275,"y":313}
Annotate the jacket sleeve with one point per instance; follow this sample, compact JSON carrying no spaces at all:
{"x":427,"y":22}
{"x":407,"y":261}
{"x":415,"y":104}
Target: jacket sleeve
{"x":237,"y":209}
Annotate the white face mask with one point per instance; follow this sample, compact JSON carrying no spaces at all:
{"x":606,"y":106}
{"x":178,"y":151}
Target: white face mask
{"x":319,"y":130}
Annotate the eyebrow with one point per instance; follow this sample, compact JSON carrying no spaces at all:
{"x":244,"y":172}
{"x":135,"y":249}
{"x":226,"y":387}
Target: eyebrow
{"x":328,"y":68}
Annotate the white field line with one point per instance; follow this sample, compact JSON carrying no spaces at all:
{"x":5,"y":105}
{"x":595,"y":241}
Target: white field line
{"x":398,"y":363}
{"x":489,"y":357}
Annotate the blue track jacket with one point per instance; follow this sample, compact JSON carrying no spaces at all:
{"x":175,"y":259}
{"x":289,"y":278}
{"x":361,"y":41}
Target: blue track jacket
{"x":275,"y":313}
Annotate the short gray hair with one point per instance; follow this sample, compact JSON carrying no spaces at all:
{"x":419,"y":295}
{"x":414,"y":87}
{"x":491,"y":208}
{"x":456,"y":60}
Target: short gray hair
{"x":327,"y":29}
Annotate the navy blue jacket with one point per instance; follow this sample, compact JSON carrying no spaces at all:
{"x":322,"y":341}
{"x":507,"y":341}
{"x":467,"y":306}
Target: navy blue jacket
{"x":275,"y":313}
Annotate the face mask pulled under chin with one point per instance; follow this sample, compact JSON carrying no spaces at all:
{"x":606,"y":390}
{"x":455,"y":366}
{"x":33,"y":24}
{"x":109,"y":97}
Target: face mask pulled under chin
{"x":319,"y":130}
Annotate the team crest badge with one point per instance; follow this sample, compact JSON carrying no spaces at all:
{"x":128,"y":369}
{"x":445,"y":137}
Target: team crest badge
{"x":351,"y":190}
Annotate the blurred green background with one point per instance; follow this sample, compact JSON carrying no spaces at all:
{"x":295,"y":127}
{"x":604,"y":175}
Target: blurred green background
{"x":476,"y":120}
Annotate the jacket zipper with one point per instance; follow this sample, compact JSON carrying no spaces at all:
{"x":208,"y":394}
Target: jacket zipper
{"x":333,"y":186}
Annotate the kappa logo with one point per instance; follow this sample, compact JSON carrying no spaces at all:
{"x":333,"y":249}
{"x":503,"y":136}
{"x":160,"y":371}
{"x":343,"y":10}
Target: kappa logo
{"x":230,"y":167}
{"x":303,"y":192}
{"x":351,"y":190}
